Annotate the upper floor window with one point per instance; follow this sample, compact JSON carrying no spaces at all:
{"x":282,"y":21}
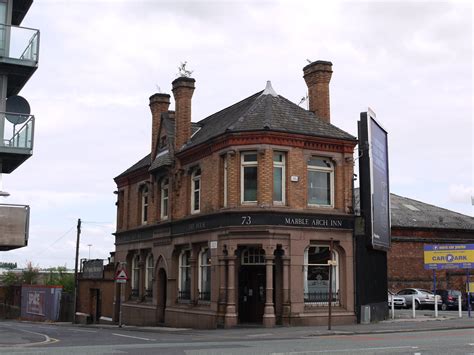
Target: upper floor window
{"x":196,"y":191}
{"x":164,"y":198}
{"x":279,"y":178}
{"x":320,"y":182}
{"x":318,"y":263}
{"x":163,"y":142}
{"x":248,"y":180}
{"x":144,"y":204}
{"x":184,"y":275}
{"x":149,"y":275}
{"x":205,"y":275}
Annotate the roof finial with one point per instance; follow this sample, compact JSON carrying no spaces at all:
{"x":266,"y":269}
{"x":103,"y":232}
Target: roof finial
{"x":269,"y":90}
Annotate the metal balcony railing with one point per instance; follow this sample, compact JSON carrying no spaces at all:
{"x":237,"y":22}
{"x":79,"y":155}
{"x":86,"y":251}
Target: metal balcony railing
{"x":20,"y":43}
{"x":184,"y":295}
{"x":204,"y":296}
{"x":321,"y":298}
{"x":22,"y":135}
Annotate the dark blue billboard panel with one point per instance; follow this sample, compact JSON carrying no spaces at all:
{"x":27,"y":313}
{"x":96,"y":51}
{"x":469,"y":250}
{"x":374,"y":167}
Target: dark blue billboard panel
{"x":374,"y":181}
{"x":378,"y":147}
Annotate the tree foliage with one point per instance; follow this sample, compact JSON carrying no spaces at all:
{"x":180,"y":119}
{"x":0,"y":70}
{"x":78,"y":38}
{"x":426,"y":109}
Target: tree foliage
{"x":59,"y":276}
{"x":30,"y":274}
{"x":10,"y":266}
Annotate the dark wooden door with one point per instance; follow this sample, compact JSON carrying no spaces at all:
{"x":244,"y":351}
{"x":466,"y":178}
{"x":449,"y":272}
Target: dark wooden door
{"x":251,"y":293}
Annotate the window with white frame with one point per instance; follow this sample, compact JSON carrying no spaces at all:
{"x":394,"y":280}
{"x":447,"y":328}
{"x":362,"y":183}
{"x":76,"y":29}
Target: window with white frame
{"x":253,"y":256}
{"x":205,"y":275}
{"x":149,"y":275}
{"x":196,"y":191}
{"x":144,"y":204}
{"x":279,"y":177}
{"x":320,"y":182}
{"x":184,"y":291}
{"x":318,"y":263}
{"x":135,"y":275}
{"x":164,"y":198}
{"x":248,"y":177}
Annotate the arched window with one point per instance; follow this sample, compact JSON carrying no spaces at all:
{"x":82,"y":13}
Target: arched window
{"x":164,"y":198}
{"x":144,"y":204}
{"x":205,"y":275}
{"x":320,"y":182}
{"x":317,"y":265}
{"x":196,"y":191}
{"x":149,"y":275}
{"x":184,"y":291}
{"x":135,"y":275}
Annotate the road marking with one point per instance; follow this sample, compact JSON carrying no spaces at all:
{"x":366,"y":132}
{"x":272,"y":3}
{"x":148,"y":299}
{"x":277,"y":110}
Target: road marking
{"x":346,"y":350}
{"x":260,"y":335}
{"x":47,"y":340}
{"x":81,"y":330}
{"x":129,"y":336}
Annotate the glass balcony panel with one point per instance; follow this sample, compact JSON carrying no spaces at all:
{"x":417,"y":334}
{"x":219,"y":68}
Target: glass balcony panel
{"x":19,"y":135}
{"x":19,"y":43}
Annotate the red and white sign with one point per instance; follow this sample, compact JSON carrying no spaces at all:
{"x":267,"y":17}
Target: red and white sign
{"x":121,"y":276}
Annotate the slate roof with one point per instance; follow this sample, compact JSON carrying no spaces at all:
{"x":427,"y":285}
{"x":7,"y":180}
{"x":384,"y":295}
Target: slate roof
{"x":264,"y":111}
{"x":144,"y":162}
{"x":409,"y":213}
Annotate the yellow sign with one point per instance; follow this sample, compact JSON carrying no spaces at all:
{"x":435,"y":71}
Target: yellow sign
{"x":442,"y":256}
{"x":471,"y":287}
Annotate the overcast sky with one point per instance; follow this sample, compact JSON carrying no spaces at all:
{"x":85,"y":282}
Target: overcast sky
{"x":411,"y":62}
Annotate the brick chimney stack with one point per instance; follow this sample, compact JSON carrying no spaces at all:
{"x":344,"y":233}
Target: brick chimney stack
{"x":183,"y":88}
{"x":317,"y":76}
{"x":159,"y":103}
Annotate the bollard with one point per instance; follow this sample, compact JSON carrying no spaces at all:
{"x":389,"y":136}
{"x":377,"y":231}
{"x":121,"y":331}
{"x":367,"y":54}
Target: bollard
{"x":436,"y":306}
{"x":460,"y":306}
{"x":413,"y":305}
{"x":393,"y":307}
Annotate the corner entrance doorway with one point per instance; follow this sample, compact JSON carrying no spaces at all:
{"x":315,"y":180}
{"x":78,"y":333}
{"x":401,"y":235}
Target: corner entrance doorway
{"x":252,"y":284}
{"x":161,"y":301}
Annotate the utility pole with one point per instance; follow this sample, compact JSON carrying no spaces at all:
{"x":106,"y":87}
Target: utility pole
{"x":75,"y":269}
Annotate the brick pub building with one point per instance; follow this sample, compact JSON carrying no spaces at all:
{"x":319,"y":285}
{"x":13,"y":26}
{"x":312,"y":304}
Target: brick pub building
{"x":228,"y":220}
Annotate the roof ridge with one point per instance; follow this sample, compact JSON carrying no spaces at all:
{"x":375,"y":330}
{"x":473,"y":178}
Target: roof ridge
{"x":429,"y":204}
{"x":204,"y":120}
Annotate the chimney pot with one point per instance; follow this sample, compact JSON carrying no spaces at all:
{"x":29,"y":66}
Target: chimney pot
{"x":317,"y":76}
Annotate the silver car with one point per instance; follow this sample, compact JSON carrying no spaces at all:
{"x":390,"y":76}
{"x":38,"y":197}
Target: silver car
{"x":423,"y":298}
{"x":398,"y":301}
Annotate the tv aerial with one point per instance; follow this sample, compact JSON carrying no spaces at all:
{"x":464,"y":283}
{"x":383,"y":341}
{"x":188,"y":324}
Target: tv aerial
{"x":17,"y":109}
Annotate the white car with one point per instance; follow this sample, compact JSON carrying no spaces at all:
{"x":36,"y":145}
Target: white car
{"x":423,"y":297}
{"x":398,"y":302}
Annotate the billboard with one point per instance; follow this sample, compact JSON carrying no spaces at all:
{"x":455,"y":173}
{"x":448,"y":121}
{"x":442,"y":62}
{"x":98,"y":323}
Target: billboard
{"x":14,"y":226}
{"x":35,"y":302}
{"x":449,"y":256}
{"x":374,"y":183}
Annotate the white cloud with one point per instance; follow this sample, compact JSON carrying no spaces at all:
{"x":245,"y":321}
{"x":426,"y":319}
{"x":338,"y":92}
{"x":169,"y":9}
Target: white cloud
{"x":460,"y":193}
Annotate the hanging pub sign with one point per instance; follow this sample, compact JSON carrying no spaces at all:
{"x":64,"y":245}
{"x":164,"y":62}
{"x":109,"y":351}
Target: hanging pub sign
{"x":449,"y":256}
{"x":374,"y":180}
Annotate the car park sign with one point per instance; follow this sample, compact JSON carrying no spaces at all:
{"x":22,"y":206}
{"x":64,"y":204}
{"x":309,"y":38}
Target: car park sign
{"x":449,"y":256}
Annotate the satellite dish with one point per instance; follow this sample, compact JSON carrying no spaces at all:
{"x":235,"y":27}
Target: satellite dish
{"x":18,"y":109}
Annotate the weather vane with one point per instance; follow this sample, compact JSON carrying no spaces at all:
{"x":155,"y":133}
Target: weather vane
{"x":183,"y":72}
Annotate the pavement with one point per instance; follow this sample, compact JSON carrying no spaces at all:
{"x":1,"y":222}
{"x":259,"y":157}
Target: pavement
{"x":403,"y":322}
